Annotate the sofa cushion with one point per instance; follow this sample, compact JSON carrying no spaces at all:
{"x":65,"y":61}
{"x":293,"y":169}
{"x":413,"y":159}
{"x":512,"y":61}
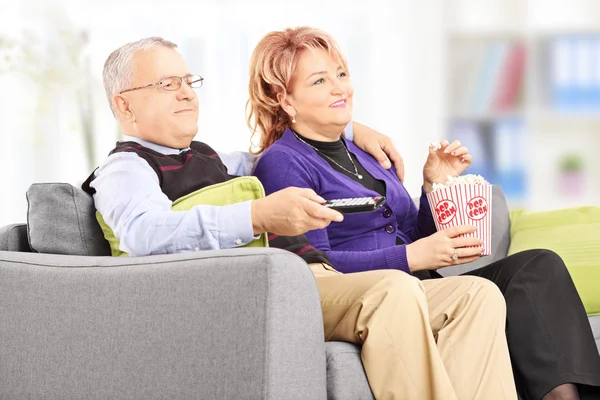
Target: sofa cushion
{"x":500,"y":236}
{"x":61,"y":220}
{"x":242,"y":188}
{"x":573,"y":234}
{"x":346,"y":379}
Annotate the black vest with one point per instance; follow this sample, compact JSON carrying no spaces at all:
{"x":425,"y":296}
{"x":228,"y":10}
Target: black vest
{"x":194,"y":169}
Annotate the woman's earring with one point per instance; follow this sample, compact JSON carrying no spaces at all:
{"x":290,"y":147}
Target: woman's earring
{"x":293,"y":120}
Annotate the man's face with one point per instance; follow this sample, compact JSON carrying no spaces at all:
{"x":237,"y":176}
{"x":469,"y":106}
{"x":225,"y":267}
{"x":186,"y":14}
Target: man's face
{"x":168,"y":118}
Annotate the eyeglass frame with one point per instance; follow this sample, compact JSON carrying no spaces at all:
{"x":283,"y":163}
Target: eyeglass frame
{"x":164,"y":79}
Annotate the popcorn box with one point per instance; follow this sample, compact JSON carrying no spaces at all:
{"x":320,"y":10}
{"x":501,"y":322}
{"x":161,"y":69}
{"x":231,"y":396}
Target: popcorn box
{"x":464,"y":204}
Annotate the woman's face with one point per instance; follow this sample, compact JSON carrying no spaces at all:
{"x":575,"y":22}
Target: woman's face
{"x":321,"y":96}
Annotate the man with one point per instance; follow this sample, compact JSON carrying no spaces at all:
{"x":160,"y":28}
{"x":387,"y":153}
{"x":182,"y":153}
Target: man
{"x":149,"y":88}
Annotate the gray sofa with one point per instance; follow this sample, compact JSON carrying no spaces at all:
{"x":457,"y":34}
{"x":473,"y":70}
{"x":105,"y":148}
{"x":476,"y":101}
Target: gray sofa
{"x":228,"y":324}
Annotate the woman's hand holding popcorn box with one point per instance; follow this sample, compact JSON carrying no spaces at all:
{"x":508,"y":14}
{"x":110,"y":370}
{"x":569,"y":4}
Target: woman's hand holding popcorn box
{"x":455,"y":199}
{"x":464,"y":200}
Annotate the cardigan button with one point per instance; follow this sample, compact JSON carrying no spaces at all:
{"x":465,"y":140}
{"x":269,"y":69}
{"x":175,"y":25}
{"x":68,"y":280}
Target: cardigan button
{"x":387,"y":213}
{"x":389,"y":229}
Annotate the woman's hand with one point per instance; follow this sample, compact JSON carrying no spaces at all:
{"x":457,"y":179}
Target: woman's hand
{"x":451,"y":159}
{"x":444,"y":248}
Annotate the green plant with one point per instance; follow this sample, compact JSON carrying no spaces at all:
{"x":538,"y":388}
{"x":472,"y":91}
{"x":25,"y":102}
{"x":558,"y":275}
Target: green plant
{"x":571,"y":163}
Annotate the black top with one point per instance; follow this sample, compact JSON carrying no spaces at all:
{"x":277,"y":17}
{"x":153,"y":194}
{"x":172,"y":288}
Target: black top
{"x":336,"y":152}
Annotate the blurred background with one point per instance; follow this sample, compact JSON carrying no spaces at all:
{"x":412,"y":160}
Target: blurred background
{"x":517,"y":81}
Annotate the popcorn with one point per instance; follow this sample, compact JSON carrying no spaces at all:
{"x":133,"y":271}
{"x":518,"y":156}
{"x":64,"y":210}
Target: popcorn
{"x":464,"y":200}
{"x":469,"y":179}
{"x":436,"y":146}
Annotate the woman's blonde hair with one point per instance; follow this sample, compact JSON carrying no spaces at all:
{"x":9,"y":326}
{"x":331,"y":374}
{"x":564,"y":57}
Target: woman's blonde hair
{"x":272,"y":65}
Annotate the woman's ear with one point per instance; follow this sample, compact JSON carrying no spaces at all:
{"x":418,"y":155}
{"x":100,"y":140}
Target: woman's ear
{"x":286,"y":104}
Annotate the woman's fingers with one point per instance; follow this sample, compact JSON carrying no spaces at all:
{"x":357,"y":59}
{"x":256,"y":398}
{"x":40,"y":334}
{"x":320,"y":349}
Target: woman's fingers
{"x":459,"y":230}
{"x":467,"y":260}
{"x":452,"y":147}
{"x":461,"y":151}
{"x":467,"y":159}
{"x":464,"y":241}
{"x":467,"y":257}
{"x":466,"y":252}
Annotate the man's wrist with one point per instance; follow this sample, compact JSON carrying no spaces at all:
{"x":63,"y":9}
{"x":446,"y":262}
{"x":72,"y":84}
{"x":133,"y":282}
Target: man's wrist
{"x":257,"y":227}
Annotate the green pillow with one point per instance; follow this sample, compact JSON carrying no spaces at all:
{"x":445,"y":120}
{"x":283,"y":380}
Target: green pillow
{"x":233,"y":191}
{"x":572,"y":233}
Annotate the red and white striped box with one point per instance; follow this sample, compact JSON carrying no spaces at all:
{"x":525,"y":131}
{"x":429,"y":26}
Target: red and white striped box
{"x":464,"y":204}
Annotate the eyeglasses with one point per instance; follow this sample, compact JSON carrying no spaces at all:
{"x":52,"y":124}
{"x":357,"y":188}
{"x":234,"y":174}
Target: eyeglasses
{"x":173,"y":83}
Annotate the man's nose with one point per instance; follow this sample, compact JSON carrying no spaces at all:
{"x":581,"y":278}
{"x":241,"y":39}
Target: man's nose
{"x":185,"y":92}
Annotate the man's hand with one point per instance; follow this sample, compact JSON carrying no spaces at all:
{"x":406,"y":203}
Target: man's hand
{"x":436,"y":251}
{"x":291,"y":211}
{"x":379,"y":146}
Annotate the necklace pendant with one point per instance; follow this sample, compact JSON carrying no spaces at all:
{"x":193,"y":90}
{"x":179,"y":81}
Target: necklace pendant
{"x":359,"y":176}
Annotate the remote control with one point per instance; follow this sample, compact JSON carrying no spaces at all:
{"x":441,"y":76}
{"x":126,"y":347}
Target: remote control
{"x":356,"y":205}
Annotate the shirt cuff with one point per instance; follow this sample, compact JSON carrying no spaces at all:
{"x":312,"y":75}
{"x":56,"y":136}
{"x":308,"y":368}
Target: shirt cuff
{"x":349,"y":131}
{"x":395,"y":258}
{"x":235,"y":225}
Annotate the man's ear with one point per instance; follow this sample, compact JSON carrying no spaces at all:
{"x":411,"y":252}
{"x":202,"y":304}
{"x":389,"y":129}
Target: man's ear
{"x":123,"y":107}
{"x":286,"y":104}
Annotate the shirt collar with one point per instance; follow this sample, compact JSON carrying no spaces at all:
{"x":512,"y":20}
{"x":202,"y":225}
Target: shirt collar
{"x":153,"y":146}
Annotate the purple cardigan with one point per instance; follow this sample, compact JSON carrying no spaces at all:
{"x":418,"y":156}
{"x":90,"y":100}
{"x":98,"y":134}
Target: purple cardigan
{"x":361,"y":242}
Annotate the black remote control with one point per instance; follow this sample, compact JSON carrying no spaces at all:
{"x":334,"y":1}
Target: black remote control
{"x":356,"y":205}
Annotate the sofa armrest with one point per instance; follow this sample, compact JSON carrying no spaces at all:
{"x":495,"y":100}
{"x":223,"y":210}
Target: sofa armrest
{"x":228,"y":324}
{"x":14,"y":238}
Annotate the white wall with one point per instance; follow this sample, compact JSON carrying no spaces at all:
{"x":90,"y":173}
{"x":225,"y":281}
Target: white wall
{"x":394,"y":47}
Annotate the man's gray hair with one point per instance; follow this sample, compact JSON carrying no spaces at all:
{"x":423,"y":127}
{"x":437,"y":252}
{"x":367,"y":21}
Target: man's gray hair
{"x":118,"y":68}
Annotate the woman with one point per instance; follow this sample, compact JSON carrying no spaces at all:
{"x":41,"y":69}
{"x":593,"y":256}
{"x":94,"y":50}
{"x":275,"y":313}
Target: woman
{"x":437,"y":339}
{"x":300,"y":101}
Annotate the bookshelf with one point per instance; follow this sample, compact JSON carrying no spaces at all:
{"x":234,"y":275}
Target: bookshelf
{"x":523,"y":93}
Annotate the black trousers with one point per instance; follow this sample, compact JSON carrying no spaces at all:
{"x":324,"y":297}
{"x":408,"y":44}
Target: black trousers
{"x":549,"y":336}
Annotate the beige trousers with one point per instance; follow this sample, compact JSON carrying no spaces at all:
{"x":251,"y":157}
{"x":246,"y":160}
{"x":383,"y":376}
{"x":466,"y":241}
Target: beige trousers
{"x":434,"y":339}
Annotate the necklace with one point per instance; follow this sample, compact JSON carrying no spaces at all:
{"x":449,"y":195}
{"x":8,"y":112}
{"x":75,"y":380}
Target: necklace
{"x":355,"y":173}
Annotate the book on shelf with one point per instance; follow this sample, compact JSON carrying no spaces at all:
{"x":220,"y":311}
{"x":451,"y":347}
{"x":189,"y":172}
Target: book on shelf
{"x":490,"y":75}
{"x":472,"y":135}
{"x":508,"y":139}
{"x":574,"y":78}
{"x":497,"y":150}
{"x":510,"y":79}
